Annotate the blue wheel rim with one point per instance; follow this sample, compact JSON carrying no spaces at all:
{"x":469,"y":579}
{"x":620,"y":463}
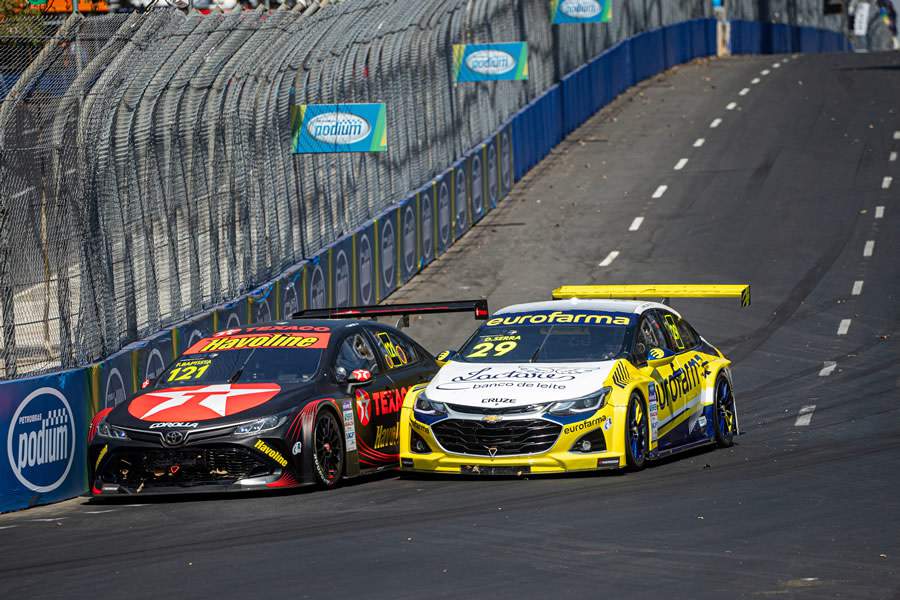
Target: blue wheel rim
{"x":725,"y":408}
{"x":636,"y":431}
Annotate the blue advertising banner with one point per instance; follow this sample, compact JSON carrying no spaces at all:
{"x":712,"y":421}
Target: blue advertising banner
{"x":507,"y":61}
{"x":475,"y":162}
{"x":580,"y":11}
{"x":386,"y":258}
{"x":460,"y":199}
{"x":318,"y":276}
{"x":317,"y":128}
{"x":443,"y":212}
{"x":409,"y":239}
{"x":342,"y":266}
{"x":113,"y":381}
{"x":491,"y":173}
{"x":427,"y":236}
{"x":364,"y":254}
{"x":43,"y":425}
{"x":507,"y":164}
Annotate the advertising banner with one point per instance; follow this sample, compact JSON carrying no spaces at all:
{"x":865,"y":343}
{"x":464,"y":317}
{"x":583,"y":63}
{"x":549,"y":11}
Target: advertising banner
{"x":262,"y":304}
{"x":491,"y":173}
{"x":196,"y":329}
{"x":507,"y":61}
{"x":443,"y":213}
{"x":580,"y":11}
{"x":507,"y":166}
{"x":318,"y":128}
{"x":43,"y":423}
{"x":427,"y":236}
{"x":292,"y":293}
{"x":342,"y":266}
{"x":388,"y":252}
{"x":409,"y":239}
{"x":151,"y":357}
{"x":460,"y":199}
{"x":364,"y":253}
{"x":318,"y":276}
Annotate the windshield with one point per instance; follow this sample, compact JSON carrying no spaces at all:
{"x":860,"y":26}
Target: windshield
{"x":249,"y":355}
{"x":581,"y":336}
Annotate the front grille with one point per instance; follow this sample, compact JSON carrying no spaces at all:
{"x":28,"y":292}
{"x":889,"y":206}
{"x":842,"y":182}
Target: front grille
{"x":183,"y":466}
{"x":506,"y":438}
{"x":483,"y":410}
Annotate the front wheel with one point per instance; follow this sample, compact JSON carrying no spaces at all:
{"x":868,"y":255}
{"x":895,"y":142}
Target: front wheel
{"x":328,"y":447}
{"x":724,"y":414}
{"x":637,"y":436}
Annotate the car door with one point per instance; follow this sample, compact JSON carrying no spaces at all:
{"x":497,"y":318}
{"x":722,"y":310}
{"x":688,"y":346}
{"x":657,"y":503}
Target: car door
{"x":684,"y":384}
{"x":407,"y":365}
{"x":357,"y":351}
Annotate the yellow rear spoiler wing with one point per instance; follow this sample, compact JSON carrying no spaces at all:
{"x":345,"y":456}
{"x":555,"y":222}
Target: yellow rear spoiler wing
{"x":636,"y":292}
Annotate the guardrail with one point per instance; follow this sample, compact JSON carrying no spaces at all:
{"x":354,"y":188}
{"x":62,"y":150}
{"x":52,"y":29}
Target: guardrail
{"x":44,"y":420}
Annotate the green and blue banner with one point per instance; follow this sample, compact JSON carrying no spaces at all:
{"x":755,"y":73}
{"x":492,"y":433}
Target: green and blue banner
{"x":580,"y":11}
{"x":506,"y":61}
{"x":318,"y":128}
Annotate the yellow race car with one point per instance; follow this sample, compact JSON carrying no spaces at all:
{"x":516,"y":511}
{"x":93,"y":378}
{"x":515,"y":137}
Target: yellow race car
{"x":598,"y":378}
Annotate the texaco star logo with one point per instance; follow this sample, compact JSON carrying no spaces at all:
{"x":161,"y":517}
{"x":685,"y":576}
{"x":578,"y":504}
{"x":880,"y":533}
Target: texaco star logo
{"x":363,"y":407}
{"x":201,"y":403}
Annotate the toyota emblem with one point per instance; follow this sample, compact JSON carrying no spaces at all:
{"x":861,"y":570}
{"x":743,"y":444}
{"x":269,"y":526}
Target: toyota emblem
{"x":174,"y":438}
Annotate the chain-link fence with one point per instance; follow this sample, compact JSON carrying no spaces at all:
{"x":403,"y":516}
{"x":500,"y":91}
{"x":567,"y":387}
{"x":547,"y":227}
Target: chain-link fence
{"x":145,"y":164}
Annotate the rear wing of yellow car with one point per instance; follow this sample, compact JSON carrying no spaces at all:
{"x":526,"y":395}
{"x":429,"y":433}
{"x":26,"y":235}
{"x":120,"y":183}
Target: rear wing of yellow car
{"x":637,"y":292}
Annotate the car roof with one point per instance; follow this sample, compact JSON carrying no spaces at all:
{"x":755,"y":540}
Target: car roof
{"x":621,"y":306}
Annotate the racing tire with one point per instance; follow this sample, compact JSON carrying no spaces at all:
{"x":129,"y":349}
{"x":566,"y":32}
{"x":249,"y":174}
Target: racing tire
{"x":328,"y":449}
{"x":637,"y":433}
{"x":724,"y":416}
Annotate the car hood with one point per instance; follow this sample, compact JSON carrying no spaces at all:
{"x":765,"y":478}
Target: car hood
{"x":516,"y":384}
{"x":206,"y":405}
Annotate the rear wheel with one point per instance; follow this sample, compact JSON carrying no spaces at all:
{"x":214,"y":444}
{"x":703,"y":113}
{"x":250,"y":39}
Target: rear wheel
{"x":637,"y":433}
{"x":724,"y":415}
{"x":328,"y":445}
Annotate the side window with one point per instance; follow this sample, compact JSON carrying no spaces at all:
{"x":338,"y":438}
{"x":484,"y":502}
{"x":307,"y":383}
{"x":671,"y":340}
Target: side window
{"x":356,"y":353}
{"x":673,"y":332}
{"x":649,"y":335}
{"x":688,"y":335}
{"x":397,"y":352}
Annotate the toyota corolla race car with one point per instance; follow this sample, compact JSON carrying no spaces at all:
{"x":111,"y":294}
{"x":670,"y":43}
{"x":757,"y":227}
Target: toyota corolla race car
{"x":594,"y":379}
{"x":267,"y":406}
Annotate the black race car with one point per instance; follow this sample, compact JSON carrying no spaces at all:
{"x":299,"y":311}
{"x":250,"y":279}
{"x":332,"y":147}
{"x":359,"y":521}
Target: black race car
{"x":276,"y":405}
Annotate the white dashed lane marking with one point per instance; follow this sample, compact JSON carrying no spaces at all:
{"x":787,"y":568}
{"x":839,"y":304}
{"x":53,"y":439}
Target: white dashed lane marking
{"x":744,"y":92}
{"x":731,"y":106}
{"x":660,"y":191}
{"x":680,"y":164}
{"x":857,"y":287}
{"x":828,"y":369}
{"x":47,"y":520}
{"x":893,"y":157}
{"x":897,"y":135}
{"x":776,"y":65}
{"x":869,"y":248}
{"x":99,"y":512}
{"x":879,"y":212}
{"x":756,"y":80}
{"x":636,"y":224}
{"x":805,"y":416}
{"x":7,"y":527}
{"x":699,"y":142}
{"x":844,"y":327}
{"x":715,"y":123}
{"x":886,"y":183}
{"x":764,"y":72}
{"x":609,"y":258}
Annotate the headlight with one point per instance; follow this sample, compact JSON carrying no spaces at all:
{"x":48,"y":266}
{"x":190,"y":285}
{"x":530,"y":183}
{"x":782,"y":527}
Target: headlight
{"x":259,"y":425}
{"x":590,"y":403}
{"x":104,"y":429}
{"x":429,"y":407}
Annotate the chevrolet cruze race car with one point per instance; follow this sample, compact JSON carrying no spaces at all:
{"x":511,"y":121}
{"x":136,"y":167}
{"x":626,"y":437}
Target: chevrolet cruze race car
{"x":266,"y":406}
{"x":585,"y":382}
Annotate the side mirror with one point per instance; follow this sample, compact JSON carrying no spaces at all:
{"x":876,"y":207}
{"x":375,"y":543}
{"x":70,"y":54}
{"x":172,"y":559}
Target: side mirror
{"x":358,"y":378}
{"x":657,"y":357}
{"x":444,"y":357}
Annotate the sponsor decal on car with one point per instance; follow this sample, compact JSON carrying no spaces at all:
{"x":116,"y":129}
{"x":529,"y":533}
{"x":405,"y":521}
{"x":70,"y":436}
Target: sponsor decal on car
{"x":40,"y":444}
{"x":363,"y":407}
{"x":387,"y":436}
{"x":589,"y":424}
{"x":271,"y":452}
{"x":653,"y":409}
{"x":318,"y":341}
{"x":583,"y":318}
{"x":173,"y":425}
{"x":201,"y":403}
{"x":349,"y":425}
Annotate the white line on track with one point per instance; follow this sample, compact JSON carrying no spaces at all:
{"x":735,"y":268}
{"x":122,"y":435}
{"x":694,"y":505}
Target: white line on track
{"x":879,"y":212}
{"x":680,"y":164}
{"x":857,"y":287}
{"x":609,"y":258}
{"x":744,"y":92}
{"x":8,"y":527}
{"x":844,"y":327}
{"x":893,"y":157}
{"x":897,"y":135}
{"x":715,"y":123}
{"x":99,"y":512}
{"x":636,"y":224}
{"x":660,"y":191}
{"x":828,"y":369}
{"x":731,"y":106}
{"x":886,"y":183}
{"x":764,"y":72}
{"x":776,"y":65}
{"x":755,"y":80}
{"x":869,"y":248}
{"x":699,"y":142}
{"x":805,"y":416}
{"x":52,"y":520}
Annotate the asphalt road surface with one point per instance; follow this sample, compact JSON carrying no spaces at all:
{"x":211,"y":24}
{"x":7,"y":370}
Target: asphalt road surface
{"x":782,"y":192}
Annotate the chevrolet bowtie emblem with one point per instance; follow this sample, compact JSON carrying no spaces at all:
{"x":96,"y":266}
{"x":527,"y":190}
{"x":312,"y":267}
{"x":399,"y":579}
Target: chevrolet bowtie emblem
{"x":491,"y":419}
{"x":492,"y":452}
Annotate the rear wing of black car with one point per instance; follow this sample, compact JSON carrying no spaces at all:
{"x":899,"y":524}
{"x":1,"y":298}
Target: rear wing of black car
{"x":478,"y":307}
